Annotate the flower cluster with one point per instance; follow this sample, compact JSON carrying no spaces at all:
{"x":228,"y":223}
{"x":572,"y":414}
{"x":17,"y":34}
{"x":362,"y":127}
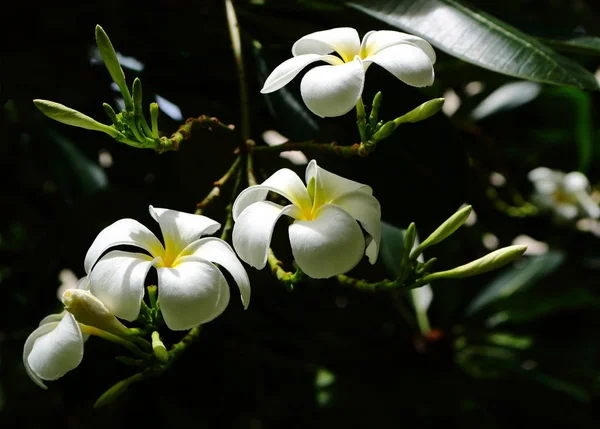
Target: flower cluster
{"x":565,"y":195}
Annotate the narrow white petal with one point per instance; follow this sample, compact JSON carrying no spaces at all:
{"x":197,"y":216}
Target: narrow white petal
{"x":124,"y":231}
{"x":284,"y":182}
{"x":407,"y":62}
{"x":367,"y":210}
{"x":344,"y":41}
{"x":376,"y":41}
{"x":589,"y":206}
{"x":191,"y":293}
{"x":218,"y":251}
{"x":329,"y":186}
{"x":118,"y":281}
{"x":180,"y":229}
{"x":46,"y":325}
{"x":253,"y":230}
{"x":289,"y":69}
{"x":330,"y":91}
{"x":575,"y":181}
{"x":331,"y":244}
{"x":53,"y":350}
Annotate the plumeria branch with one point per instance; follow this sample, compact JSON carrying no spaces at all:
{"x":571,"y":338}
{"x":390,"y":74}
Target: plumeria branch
{"x":286,"y":278}
{"x":215,"y":192}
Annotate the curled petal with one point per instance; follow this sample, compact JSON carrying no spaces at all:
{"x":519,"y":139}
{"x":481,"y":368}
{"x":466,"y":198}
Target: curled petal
{"x":331,"y":244}
{"x":376,"y":41}
{"x":218,"y":251}
{"x":289,"y":69}
{"x":329,"y":186}
{"x":330,"y":91}
{"x":122,"y":232}
{"x":253,"y":230}
{"x":118,"y":281}
{"x":53,"y":349}
{"x":193,"y":292}
{"x":367,"y":210}
{"x":284,"y":182}
{"x":344,"y":41}
{"x":53,"y":318}
{"x":180,"y":229}
{"x":407,"y":62}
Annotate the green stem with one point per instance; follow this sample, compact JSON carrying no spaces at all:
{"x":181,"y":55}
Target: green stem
{"x":91,"y":330}
{"x":250,"y":170}
{"x":356,"y":150}
{"x":215,"y":192}
{"x":229,"y":209}
{"x":287,"y":278}
{"x":185,"y":131}
{"x":236,"y":44}
{"x":361,"y":121}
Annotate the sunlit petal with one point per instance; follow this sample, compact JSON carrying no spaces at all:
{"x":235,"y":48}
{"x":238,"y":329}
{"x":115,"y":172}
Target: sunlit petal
{"x":376,"y":41}
{"x":118,"y":281}
{"x":407,"y":62}
{"x":365,"y":209}
{"x":180,"y":229}
{"x":575,"y":181}
{"x":124,"y":231}
{"x":329,"y":186}
{"x":330,"y":91}
{"x":253,"y":230}
{"x":284,"y":182}
{"x":218,"y":251}
{"x":289,"y":69}
{"x":191,"y":293}
{"x":53,"y":349}
{"x":331,"y":244}
{"x":344,"y":41}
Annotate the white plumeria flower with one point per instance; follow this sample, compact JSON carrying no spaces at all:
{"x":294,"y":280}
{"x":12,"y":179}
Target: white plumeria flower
{"x":565,"y":195}
{"x":325,"y":236}
{"x":334,"y":89}
{"x":191,"y":289}
{"x":55,"y":347}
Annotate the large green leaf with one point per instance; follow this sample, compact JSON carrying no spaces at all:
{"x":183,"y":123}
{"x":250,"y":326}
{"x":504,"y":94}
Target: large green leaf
{"x":478,"y":38}
{"x":584,"y":45}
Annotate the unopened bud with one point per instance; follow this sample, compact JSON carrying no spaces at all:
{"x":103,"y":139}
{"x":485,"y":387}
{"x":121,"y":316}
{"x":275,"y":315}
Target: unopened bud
{"x":72,"y":117}
{"x":424,"y":111}
{"x":89,"y":310}
{"x":444,"y":230}
{"x":385,"y":131}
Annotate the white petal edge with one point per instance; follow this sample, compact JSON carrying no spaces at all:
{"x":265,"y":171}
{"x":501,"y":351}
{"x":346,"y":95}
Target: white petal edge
{"x":253,"y":230}
{"x":330,"y":91}
{"x":122,"y":232}
{"x":289,"y":69}
{"x":575,"y":181}
{"x":331,"y":244}
{"x":589,"y":206}
{"x":117,"y":281}
{"x":375,"y":41}
{"x":179,"y":229}
{"x":406,"y":62}
{"x":218,"y":251}
{"x":284,"y":182}
{"x":53,"y":349}
{"x":343,"y":40}
{"x":329,"y":186}
{"x":192,"y":293}
{"x":367,"y":211}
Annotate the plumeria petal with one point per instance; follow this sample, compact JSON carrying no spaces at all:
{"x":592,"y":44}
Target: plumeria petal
{"x":253,"y":230}
{"x":330,"y":91}
{"x":218,"y":251}
{"x":588,"y":205}
{"x":344,"y":41}
{"x":376,"y":41}
{"x":284,"y":182}
{"x":191,"y":293}
{"x":329,"y":186}
{"x":53,"y":318}
{"x":53,"y":349}
{"x":365,"y":209}
{"x":180,"y":229}
{"x":575,"y":181}
{"x":566,"y":211}
{"x":118,"y":281}
{"x":407,"y":62}
{"x":124,"y":231}
{"x":331,"y":244}
{"x":289,"y":69}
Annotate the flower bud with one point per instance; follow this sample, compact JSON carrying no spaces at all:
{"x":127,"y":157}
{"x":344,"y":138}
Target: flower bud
{"x":89,"y":310}
{"x":109,"y":56}
{"x":385,"y":131}
{"x":482,"y":265}
{"x":72,"y":117}
{"x":424,"y":111}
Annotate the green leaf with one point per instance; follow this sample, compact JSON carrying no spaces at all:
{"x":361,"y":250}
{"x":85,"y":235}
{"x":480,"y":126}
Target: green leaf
{"x":517,"y":278}
{"x":392,"y":248}
{"x":478,"y":38}
{"x":585,"y":45}
{"x":109,"y":56}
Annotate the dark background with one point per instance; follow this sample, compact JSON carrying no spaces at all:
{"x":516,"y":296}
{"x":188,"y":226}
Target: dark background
{"x":258,"y":368}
